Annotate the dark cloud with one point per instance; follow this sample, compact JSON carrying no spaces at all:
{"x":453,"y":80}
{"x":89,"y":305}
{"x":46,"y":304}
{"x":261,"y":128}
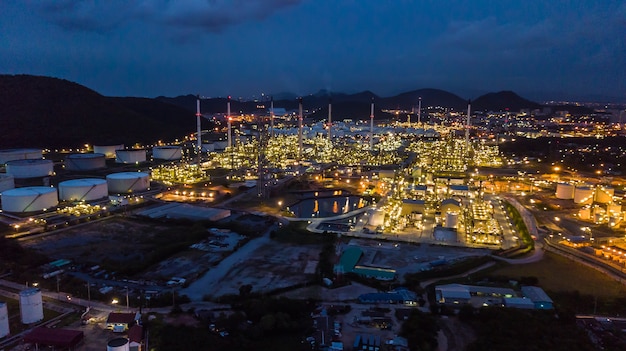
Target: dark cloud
{"x":183,"y":15}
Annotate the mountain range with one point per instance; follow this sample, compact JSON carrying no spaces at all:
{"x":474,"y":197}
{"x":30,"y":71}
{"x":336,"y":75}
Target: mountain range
{"x":37,"y":111}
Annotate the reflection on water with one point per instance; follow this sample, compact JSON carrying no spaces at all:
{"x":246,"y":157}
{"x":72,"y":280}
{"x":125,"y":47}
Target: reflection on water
{"x":327,"y":207}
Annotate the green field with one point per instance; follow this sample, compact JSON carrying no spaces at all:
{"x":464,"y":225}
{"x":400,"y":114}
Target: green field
{"x":559,"y":274}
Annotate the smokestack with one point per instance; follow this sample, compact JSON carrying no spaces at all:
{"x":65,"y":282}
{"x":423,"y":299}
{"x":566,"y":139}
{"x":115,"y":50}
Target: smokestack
{"x":199,"y":128}
{"x":372,"y":125}
{"x":467,"y":124}
{"x":230,"y":136}
{"x":272,"y":116}
{"x":330,"y":120}
{"x":300,"y":129}
{"x":419,"y":111}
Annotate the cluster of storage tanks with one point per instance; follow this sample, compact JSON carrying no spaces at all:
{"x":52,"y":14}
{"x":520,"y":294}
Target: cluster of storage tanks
{"x":585,"y":194}
{"x":41,"y":198}
{"x":31,"y":310}
{"x":29,"y":164}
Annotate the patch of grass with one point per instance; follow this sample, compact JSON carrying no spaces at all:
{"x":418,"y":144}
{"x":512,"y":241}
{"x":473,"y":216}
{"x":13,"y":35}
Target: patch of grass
{"x":296,"y":233}
{"x":559,"y":274}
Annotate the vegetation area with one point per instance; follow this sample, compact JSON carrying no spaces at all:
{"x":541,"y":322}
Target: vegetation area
{"x":571,"y":285}
{"x":421,"y":331}
{"x":257,"y":324}
{"x":412,"y":279}
{"x":18,"y":260}
{"x":520,"y":227}
{"x":510,"y":329}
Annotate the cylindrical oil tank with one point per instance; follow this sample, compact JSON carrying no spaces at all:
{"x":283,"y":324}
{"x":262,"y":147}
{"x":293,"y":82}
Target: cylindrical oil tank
{"x":604,"y":195}
{"x":220,"y":144}
{"x":22,"y":169}
{"x":130,"y":156}
{"x":87,"y":189}
{"x":208,"y":147}
{"x":118,"y":344}
{"x":19,"y":154}
{"x":585,"y":213}
{"x":598,"y":217}
{"x":4,"y":320}
{"x":29,"y":199}
{"x":583,"y":195}
{"x":565,"y":191}
{"x":6,"y":182}
{"x":167,"y":152}
{"x":451,"y":220}
{"x":107,"y":150}
{"x":31,"y":307}
{"x":377,"y":217}
{"x":614,"y":208}
{"x":84,"y":162}
{"x":127,"y":182}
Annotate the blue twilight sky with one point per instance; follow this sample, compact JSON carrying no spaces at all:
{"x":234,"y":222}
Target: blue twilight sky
{"x":541,"y":49}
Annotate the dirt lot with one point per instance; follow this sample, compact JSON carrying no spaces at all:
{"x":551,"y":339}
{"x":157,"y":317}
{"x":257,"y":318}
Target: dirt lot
{"x":113,"y":238}
{"x":270,"y":266}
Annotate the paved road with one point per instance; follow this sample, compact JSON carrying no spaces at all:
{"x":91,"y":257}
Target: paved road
{"x":207,"y":284}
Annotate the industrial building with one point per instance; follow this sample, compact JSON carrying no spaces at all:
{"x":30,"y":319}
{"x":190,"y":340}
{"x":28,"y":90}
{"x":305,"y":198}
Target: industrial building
{"x":478,"y":296}
{"x":348,"y":264}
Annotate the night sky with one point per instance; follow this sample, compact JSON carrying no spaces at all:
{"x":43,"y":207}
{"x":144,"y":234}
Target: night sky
{"x":540,"y":49}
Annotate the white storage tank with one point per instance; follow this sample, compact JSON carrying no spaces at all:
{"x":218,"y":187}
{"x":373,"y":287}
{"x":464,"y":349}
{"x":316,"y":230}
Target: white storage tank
{"x":107,"y":150}
{"x":583,"y":195}
{"x":4,"y":320}
{"x":451,"y":220}
{"x":22,"y":169}
{"x":220,"y":144}
{"x":6,"y":182}
{"x":29,"y":199}
{"x":585,"y":213}
{"x":118,"y":344}
{"x":614,"y":208}
{"x":604,"y":195}
{"x":85,"y":162}
{"x":130,"y":156}
{"x":20,"y":154}
{"x":377,"y":217}
{"x":565,"y":191}
{"x":167,"y":152}
{"x":31,"y":307}
{"x":208,"y":147}
{"x":87,"y":189}
{"x":128,"y":182}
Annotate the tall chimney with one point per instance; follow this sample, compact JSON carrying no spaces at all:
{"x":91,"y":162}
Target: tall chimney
{"x":419,"y":111}
{"x":372,"y":126}
{"x":330,"y":120}
{"x":199,"y":128}
{"x":300,"y":129}
{"x":467,"y":124}
{"x":272,"y":116}
{"x":230,"y":127}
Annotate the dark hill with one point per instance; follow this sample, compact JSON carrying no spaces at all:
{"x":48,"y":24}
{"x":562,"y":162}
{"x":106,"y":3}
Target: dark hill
{"x":502,"y":100}
{"x":49,"y":112}
{"x":430,"y":97}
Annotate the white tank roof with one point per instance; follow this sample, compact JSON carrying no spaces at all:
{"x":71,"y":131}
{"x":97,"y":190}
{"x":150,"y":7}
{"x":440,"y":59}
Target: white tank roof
{"x":29,"y":191}
{"x":127,"y":175}
{"x":86,"y":156}
{"x":82,"y":182}
{"x":28,"y":162}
